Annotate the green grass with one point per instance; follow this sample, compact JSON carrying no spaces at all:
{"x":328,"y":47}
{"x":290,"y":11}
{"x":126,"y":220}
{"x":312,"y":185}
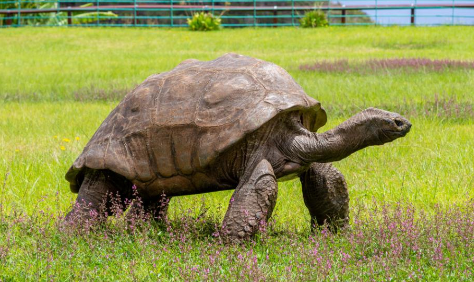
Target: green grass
{"x":60,"y":64}
{"x":59,"y":84}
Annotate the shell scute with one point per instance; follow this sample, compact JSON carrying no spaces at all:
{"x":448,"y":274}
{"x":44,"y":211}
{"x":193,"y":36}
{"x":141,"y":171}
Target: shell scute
{"x":95,"y":157}
{"x":160,"y":147}
{"x":118,"y":158}
{"x":180,"y":94}
{"x":183,"y":151}
{"x":138,"y":155}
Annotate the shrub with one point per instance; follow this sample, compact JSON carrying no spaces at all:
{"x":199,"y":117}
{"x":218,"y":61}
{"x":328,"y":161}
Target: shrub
{"x":204,"y":22}
{"x":314,"y":19}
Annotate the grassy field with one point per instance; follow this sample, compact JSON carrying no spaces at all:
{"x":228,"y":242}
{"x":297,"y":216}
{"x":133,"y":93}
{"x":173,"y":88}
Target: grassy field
{"x":410,"y":209}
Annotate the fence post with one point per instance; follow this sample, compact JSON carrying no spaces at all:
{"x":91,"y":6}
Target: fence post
{"x":254,"y":13}
{"x":376,"y":12}
{"x":171,"y":13}
{"x":293,"y":12}
{"x":275,"y":19}
{"x":9,"y":21}
{"x":97,"y":3}
{"x":452,"y":15}
{"x":328,"y":13}
{"x":343,"y":18}
{"x":412,"y":19}
{"x":58,"y":10}
{"x":134,"y":12}
{"x":19,"y":14}
{"x":69,"y":16}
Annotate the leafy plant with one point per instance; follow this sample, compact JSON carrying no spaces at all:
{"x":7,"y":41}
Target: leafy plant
{"x":60,"y":19}
{"x":54,"y":19}
{"x":315,"y":18}
{"x":12,"y":4}
{"x":204,"y":22}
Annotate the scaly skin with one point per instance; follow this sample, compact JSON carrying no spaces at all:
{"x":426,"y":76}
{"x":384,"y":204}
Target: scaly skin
{"x":252,"y":203}
{"x":325,"y":195}
{"x":102,"y":191}
{"x":156,"y":208}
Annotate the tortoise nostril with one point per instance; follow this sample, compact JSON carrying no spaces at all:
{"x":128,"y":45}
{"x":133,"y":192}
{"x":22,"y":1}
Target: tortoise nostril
{"x":398,"y":122}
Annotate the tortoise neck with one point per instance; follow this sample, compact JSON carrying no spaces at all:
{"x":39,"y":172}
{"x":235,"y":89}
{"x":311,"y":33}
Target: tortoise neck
{"x":332,"y":145}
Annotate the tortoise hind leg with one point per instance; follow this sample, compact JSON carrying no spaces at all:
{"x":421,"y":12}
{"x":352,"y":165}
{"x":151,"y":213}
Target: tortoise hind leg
{"x":101,"y":193}
{"x":325,"y":195}
{"x":156,"y":208}
{"x":252,"y":202}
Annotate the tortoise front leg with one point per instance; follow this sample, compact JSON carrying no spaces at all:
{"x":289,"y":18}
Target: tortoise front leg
{"x":252,"y":203}
{"x":325,"y":195}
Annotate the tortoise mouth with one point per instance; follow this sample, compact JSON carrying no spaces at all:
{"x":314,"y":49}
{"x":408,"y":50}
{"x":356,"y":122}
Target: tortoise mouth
{"x":403,"y":125}
{"x":401,"y":129}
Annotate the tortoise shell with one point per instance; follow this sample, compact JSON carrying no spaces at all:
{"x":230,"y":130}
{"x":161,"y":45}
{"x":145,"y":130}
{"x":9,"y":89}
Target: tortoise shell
{"x":178,"y":122}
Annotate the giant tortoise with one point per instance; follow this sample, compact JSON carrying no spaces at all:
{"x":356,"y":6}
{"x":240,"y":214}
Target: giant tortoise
{"x":235,"y":122}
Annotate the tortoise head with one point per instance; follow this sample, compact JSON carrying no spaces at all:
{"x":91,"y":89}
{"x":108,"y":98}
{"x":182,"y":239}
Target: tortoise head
{"x":367,"y":128}
{"x":381,"y":126}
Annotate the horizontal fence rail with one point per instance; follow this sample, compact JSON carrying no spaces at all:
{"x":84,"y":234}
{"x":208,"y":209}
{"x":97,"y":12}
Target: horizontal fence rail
{"x":257,"y":13}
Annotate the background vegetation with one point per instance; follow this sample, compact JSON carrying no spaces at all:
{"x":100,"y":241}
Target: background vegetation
{"x":313,"y":19}
{"x":411,"y":214}
{"x":204,"y":22}
{"x":153,"y":17}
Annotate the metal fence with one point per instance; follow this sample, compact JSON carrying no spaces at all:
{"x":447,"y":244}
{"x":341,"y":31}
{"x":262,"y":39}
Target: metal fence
{"x":241,"y":13}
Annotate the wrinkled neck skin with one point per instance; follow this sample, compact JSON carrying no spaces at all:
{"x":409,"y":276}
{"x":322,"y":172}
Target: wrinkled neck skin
{"x":291,"y":148}
{"x":338,"y":143}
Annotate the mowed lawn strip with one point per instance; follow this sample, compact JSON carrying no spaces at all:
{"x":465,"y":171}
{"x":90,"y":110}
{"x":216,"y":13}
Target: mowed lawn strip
{"x":80,"y":64}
